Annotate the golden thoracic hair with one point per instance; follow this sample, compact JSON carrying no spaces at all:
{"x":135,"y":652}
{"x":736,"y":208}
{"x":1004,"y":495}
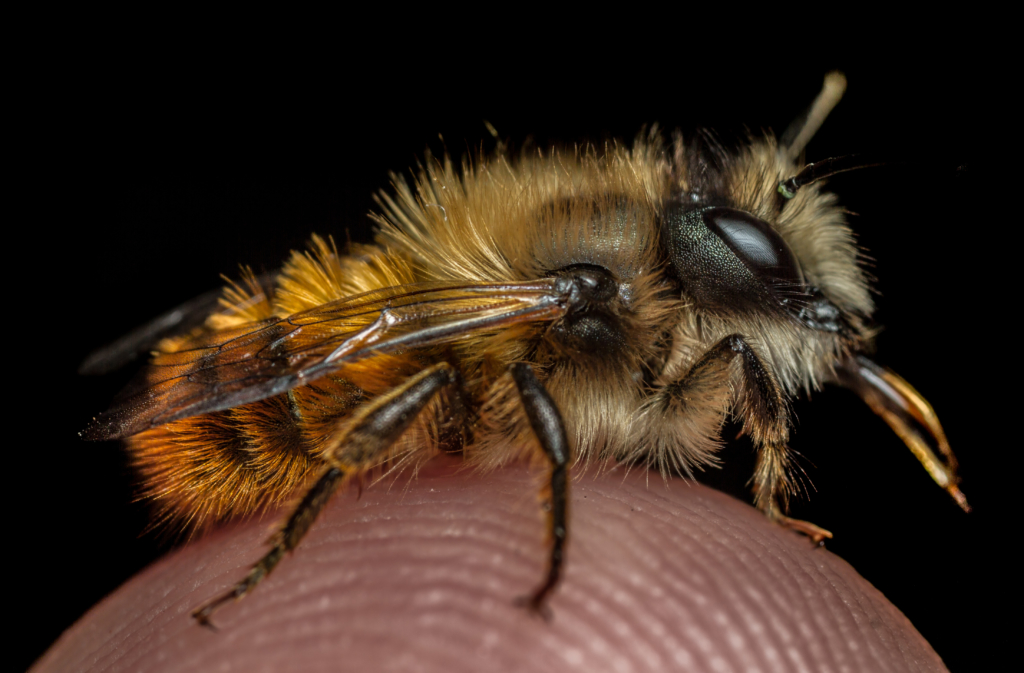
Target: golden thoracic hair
{"x":509,"y":219}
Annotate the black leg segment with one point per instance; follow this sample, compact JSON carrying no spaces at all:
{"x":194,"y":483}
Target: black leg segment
{"x":549,"y":428}
{"x":359,"y":444}
{"x":284,"y":541}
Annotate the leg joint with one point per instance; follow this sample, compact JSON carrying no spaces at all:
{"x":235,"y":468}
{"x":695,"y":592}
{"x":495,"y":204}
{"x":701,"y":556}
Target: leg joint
{"x":737,"y":344}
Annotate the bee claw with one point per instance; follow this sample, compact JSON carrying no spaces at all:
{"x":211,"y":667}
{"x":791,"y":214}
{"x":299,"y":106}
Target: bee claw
{"x":204,"y":613}
{"x":535,"y":606}
{"x":959,"y":496}
{"x":202,"y":617}
{"x":817,"y":534}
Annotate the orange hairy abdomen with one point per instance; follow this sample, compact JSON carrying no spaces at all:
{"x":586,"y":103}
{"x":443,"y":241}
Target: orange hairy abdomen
{"x":209,"y":468}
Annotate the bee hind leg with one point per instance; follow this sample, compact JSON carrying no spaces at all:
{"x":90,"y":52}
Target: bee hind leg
{"x":365,"y":437}
{"x":547,"y":424}
{"x":284,"y":541}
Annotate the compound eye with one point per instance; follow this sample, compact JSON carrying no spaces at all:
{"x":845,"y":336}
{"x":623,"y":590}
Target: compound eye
{"x":756,"y":244}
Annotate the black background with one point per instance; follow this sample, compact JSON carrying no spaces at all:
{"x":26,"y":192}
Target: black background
{"x":162,"y":168}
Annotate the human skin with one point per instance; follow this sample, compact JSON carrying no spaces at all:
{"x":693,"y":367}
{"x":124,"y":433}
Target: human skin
{"x":421,"y":575}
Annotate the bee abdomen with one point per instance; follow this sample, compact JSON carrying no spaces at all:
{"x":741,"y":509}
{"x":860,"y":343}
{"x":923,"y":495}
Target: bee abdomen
{"x":229,"y":463}
{"x":239,"y":461}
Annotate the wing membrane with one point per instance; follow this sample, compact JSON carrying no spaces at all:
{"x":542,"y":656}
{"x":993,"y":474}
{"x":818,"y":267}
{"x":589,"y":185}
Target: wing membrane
{"x":230,"y":367}
{"x":141,"y":340}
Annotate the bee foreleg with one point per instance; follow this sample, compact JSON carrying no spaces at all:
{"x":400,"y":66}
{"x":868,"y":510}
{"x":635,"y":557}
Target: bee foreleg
{"x":762,"y":407}
{"x":766,"y":419}
{"x":547,"y":424}
{"x":358,"y":445}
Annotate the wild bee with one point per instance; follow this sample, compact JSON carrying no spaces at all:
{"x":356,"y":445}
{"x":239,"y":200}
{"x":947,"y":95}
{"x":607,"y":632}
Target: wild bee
{"x":573,"y":307}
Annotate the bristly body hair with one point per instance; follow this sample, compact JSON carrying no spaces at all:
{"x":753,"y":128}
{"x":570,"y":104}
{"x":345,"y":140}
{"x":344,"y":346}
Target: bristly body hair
{"x":507,"y":219}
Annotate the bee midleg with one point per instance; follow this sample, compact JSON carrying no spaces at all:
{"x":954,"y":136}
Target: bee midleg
{"x":370,"y":432}
{"x":547,"y":424}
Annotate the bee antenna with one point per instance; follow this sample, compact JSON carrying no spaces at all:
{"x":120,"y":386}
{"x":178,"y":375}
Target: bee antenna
{"x":800,"y":132}
{"x":820,"y":170}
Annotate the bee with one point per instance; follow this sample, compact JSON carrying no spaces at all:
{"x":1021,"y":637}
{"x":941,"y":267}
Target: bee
{"x":573,"y":308}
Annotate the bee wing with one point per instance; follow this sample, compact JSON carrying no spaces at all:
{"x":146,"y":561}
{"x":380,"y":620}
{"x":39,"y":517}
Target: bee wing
{"x":227,"y":368}
{"x":141,"y":340}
